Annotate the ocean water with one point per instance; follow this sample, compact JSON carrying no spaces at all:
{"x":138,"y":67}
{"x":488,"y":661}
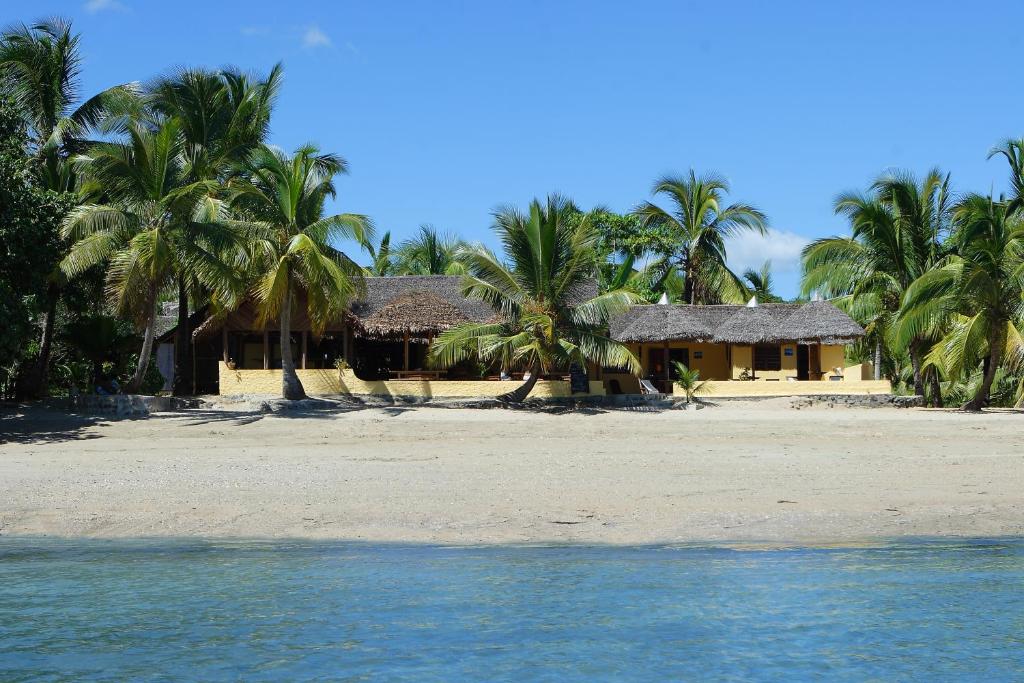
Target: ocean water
{"x":270,"y":611}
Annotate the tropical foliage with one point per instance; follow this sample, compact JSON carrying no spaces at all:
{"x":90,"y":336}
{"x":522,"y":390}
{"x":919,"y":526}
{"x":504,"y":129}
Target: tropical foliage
{"x":693,"y":233}
{"x":168,"y":198}
{"x":689,"y":381}
{"x":292,"y":258}
{"x":546,"y":318}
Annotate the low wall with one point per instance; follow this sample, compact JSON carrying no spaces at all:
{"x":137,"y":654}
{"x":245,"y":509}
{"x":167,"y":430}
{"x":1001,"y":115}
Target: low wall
{"x":846,"y":387}
{"x":333,"y":382}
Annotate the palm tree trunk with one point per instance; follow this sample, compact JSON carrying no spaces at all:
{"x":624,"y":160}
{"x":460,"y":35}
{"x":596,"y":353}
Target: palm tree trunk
{"x":524,"y":389}
{"x":995,"y":354}
{"x":915,"y":362}
{"x":147,"y":347}
{"x":291,"y":386}
{"x":182,"y":384}
{"x":934,"y":389}
{"x":878,"y":360}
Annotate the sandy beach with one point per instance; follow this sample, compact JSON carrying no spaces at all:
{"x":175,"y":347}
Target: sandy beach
{"x":757,"y":472}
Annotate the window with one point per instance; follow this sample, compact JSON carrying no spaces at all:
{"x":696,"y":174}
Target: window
{"x":697,"y":355}
{"x":767,"y":357}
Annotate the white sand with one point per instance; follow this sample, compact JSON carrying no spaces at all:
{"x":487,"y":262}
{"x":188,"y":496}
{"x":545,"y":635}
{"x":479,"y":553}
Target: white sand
{"x":744,"y":472}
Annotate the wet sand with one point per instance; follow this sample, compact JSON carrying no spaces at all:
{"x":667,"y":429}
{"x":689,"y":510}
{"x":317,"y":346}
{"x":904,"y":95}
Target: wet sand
{"x":744,"y":472}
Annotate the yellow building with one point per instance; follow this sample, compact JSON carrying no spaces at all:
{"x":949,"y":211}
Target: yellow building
{"x":380,"y":348}
{"x":751,"y":350}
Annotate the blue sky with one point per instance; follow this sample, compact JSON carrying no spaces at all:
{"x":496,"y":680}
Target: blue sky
{"x":445,"y":110}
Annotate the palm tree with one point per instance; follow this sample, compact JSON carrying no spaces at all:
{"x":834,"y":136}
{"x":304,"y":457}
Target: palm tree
{"x":223,"y":116}
{"x":547,"y":316}
{"x":1013,"y":151}
{"x":135,"y":230}
{"x":759,"y":283}
{"x":897,"y":232}
{"x":383,"y":261}
{"x":430,"y":253}
{"x":292,"y":243}
{"x":979,"y":287}
{"x":689,"y":381}
{"x":40,"y":64}
{"x":696,"y":230}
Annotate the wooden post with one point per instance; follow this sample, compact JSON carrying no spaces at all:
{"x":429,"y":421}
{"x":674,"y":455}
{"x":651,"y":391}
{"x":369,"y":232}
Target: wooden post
{"x":668,"y":378}
{"x":266,"y":349}
{"x":344,"y":342}
{"x":305,"y":347}
{"x":406,"y":349}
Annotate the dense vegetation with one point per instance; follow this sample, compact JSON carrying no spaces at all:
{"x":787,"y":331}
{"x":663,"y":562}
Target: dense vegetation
{"x":115,"y":205}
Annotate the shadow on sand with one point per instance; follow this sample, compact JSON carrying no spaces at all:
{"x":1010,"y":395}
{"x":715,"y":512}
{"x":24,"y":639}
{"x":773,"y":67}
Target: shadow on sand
{"x":31,"y":425}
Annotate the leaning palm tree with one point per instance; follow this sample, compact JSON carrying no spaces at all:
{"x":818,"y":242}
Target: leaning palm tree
{"x":136,"y":231}
{"x":697,"y":228}
{"x":897,"y":233}
{"x":548,"y":317}
{"x":40,"y":64}
{"x":292,"y":243}
{"x":223,"y":116}
{"x":430,"y":252}
{"x":978,"y":290}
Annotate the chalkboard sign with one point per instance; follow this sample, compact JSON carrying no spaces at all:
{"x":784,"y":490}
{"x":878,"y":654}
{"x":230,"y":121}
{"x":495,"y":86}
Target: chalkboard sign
{"x":579,"y":383}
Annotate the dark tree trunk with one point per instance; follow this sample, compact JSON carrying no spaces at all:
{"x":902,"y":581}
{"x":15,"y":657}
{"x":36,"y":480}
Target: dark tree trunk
{"x":524,"y":389}
{"x":147,"y":347}
{"x":688,"y":288}
{"x":291,"y":386}
{"x":934,"y":389}
{"x":182,"y":384}
{"x":915,"y":363}
{"x":37,"y":379}
{"x":995,"y":354}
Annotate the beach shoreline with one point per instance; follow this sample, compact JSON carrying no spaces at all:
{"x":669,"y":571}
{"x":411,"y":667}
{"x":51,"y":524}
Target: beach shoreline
{"x":749,"y":473}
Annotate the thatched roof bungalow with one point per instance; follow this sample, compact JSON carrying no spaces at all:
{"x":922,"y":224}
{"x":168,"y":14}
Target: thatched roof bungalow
{"x":772,"y":342}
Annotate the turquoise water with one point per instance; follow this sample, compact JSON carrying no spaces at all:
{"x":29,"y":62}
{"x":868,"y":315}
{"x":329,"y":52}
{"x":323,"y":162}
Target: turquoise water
{"x":935,"y":611}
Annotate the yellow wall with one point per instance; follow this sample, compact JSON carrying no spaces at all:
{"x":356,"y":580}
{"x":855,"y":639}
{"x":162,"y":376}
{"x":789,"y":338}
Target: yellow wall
{"x":809,"y":388}
{"x":712,"y":364}
{"x":332,"y":382}
{"x":742,"y":359}
{"x":832,"y":356}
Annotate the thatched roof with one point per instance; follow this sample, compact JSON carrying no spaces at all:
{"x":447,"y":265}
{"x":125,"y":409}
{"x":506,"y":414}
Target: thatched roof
{"x":814,"y":322}
{"x":388,"y":307}
{"x":381,"y":291}
{"x":416,"y":313}
{"x":824,"y":322}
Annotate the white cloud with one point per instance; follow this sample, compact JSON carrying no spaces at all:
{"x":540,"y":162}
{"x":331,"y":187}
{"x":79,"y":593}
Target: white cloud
{"x":94,"y":6}
{"x":314,"y":37}
{"x":781,"y":247}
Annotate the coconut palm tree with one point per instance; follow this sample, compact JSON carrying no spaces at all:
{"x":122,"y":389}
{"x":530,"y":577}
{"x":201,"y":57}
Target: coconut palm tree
{"x":382,"y":260}
{"x":430,"y":252}
{"x":695,"y":231}
{"x":548,"y":315}
{"x":223,"y":115}
{"x":897,"y":232}
{"x":979,"y":288}
{"x":40,"y":65}
{"x":1013,"y":151}
{"x":138,"y":231}
{"x":759,"y":283}
{"x":292,"y":243}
